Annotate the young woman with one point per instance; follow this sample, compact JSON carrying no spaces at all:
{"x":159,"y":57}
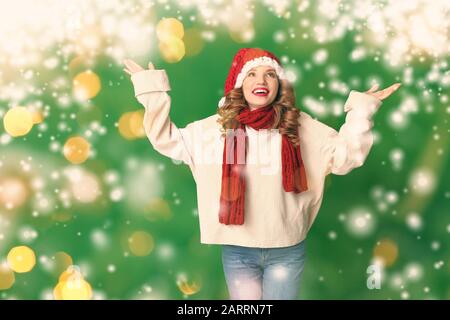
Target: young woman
{"x":259,"y":164}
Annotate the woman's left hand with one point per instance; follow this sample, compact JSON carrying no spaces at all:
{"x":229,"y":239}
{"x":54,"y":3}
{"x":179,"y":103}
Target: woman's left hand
{"x":383,"y":94}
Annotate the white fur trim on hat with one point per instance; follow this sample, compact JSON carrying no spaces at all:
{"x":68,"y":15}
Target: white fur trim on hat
{"x":261,"y":61}
{"x":221,"y":102}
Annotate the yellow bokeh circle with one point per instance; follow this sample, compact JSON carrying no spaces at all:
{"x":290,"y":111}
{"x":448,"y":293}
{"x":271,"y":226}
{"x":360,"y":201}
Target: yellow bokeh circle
{"x":62,"y":262}
{"x":141,"y":243}
{"x":157,"y":208}
{"x":187,"y":288}
{"x":124,"y":126}
{"x":7,"y":277}
{"x":78,"y":289}
{"x":21,"y":259}
{"x":18,"y":121}
{"x":86,"y":85}
{"x":386,"y":251}
{"x":131,"y":125}
{"x":172,"y":49}
{"x":72,"y":286}
{"x":169,"y":27}
{"x":76,"y":150}
{"x":136,"y":123}
{"x":193,"y":42}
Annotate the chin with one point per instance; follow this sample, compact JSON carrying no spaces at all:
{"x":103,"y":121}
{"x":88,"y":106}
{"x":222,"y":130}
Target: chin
{"x":261,"y":104}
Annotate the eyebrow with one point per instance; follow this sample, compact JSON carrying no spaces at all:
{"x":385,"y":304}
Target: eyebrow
{"x":253,"y":69}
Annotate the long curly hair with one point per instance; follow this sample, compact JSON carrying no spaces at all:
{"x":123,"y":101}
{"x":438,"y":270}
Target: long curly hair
{"x":286,"y":113}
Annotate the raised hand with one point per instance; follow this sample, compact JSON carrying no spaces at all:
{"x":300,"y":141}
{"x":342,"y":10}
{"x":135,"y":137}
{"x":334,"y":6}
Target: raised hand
{"x":383,"y":94}
{"x":132,"y":67}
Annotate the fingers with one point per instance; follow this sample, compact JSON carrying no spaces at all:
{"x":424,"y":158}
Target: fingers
{"x":396,"y":85}
{"x":390,"y":90}
{"x":383,"y":94}
{"x":132,"y":66}
{"x":373,"y":88}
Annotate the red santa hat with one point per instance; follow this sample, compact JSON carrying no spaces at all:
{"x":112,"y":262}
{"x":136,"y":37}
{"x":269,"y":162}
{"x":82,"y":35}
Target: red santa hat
{"x":246,"y":59}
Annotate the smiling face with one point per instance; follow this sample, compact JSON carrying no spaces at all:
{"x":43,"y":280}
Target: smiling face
{"x":260,"y":87}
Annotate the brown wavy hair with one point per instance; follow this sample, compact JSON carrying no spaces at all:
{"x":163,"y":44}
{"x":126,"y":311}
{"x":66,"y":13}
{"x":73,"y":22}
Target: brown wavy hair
{"x":286,"y":113}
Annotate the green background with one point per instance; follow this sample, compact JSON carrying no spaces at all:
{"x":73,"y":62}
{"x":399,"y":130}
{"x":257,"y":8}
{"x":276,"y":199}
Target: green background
{"x":335,"y":268}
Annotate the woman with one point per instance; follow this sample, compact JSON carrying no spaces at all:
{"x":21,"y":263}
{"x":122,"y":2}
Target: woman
{"x":259,"y":166}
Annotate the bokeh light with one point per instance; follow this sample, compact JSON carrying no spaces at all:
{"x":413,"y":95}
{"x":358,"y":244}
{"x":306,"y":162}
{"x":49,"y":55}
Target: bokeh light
{"x":76,"y":150}
{"x":170,"y":33}
{"x":131,"y":125}
{"x":156,"y":209}
{"x":141,"y":243}
{"x":360,"y":222}
{"x":86,"y":85}
{"x":13,"y":192}
{"x":18,"y":121}
{"x":187,"y":287}
{"x":7,"y":277}
{"x":72,"y":286}
{"x":62,"y":262}
{"x":386,"y":251}
{"x":169,"y":27}
{"x":172,"y":49}
{"x":21,"y":259}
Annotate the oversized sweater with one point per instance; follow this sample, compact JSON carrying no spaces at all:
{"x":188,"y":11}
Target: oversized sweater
{"x":273,"y":217}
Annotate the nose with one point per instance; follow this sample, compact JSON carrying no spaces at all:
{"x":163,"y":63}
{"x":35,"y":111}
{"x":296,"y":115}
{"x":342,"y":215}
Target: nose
{"x":261,"y":79}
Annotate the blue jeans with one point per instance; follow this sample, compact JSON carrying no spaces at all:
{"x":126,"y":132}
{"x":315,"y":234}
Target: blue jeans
{"x":263,"y":273}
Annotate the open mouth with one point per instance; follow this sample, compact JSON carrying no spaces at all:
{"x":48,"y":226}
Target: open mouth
{"x":260,"y":92}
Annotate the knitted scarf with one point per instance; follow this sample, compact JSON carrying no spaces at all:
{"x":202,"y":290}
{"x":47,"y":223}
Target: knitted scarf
{"x":232,"y":198}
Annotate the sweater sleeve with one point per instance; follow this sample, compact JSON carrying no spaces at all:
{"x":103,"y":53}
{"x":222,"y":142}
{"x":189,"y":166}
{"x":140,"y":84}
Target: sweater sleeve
{"x":350,"y":146}
{"x":150,"y":88}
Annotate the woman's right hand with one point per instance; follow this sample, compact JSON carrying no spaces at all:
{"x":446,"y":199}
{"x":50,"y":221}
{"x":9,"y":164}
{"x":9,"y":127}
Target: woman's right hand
{"x":132,"y":67}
